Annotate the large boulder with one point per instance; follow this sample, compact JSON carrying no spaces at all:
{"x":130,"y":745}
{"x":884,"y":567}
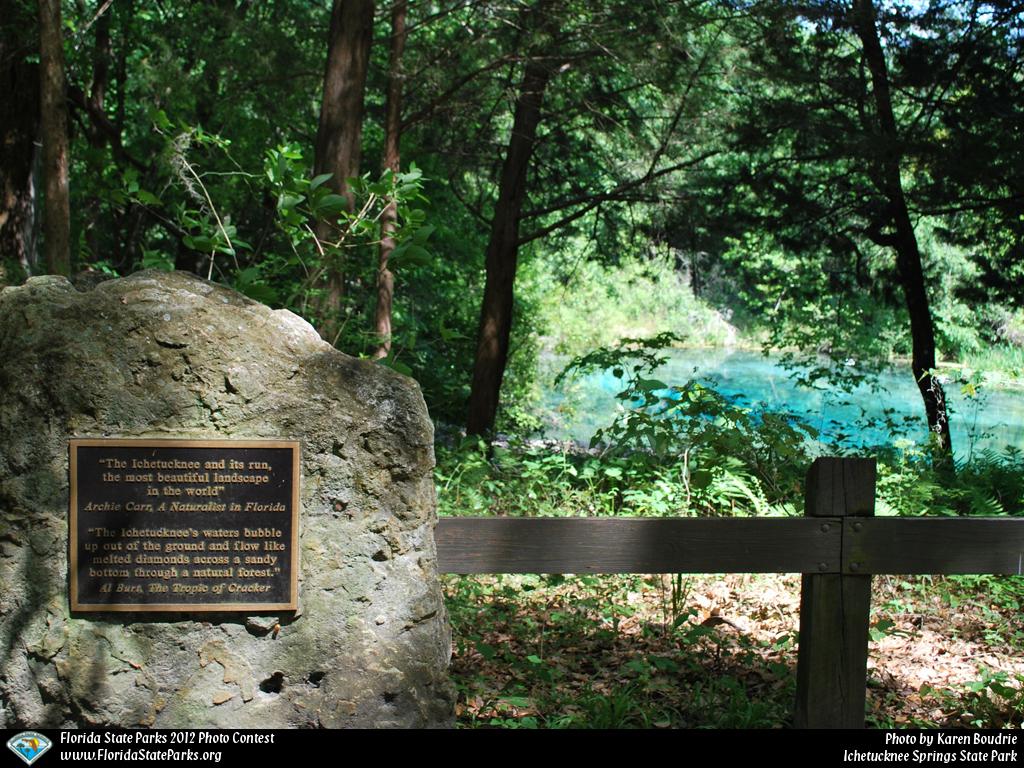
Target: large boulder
{"x":168,"y":355}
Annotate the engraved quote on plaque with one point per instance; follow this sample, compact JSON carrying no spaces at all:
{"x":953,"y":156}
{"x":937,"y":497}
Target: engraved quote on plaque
{"x":184,"y":525}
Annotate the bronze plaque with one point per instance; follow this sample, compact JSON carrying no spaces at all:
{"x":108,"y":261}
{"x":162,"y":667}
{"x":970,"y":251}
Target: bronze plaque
{"x":184,"y":525}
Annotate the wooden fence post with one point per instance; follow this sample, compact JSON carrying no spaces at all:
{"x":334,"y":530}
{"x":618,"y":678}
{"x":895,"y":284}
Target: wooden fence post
{"x":835,"y":608}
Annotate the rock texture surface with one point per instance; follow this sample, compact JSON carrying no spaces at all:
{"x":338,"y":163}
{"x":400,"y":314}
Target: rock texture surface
{"x":170,"y":355}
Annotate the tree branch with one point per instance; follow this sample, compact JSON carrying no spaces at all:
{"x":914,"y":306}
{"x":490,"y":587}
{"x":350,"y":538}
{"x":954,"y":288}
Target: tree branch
{"x":617,"y":193}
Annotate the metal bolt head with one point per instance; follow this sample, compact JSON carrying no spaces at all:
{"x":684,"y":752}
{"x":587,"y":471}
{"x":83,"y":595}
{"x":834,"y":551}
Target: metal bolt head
{"x":857,"y":527}
{"x":822,"y":566}
{"x":854,"y":566}
{"x":825,"y":527}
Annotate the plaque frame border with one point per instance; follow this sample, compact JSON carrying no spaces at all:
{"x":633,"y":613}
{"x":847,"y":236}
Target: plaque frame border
{"x":117,"y":442}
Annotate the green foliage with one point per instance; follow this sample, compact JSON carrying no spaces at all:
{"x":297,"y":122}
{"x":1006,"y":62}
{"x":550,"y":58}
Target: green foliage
{"x":827,"y":327}
{"x":794,"y":214}
{"x":994,"y":700}
{"x":990,"y":484}
{"x":586,"y":304}
{"x":728,"y":456}
{"x":353,"y":227}
{"x":525,"y":480}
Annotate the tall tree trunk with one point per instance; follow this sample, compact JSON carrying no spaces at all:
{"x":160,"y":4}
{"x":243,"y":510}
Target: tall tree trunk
{"x":100,"y":71}
{"x":125,"y":12}
{"x":503,"y":253}
{"x":54,"y":123}
{"x":339,"y":133}
{"x":98,"y":138}
{"x":904,"y":241}
{"x":19,"y":129}
{"x":389,"y":217}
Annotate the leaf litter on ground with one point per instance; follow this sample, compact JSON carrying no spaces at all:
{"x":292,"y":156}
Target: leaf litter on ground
{"x":720,"y":651}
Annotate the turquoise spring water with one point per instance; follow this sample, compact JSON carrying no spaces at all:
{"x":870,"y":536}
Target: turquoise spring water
{"x":994,"y":419}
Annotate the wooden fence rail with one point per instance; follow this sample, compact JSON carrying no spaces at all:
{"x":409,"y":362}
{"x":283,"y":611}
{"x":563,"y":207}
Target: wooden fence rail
{"x":837,"y":546}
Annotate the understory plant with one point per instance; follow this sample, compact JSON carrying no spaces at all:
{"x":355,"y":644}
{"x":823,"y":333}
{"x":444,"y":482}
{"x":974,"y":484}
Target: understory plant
{"x":729,"y":458}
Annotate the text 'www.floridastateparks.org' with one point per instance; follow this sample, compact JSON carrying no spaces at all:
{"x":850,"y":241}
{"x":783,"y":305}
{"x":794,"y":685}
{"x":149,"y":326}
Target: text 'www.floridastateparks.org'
{"x":134,"y":754}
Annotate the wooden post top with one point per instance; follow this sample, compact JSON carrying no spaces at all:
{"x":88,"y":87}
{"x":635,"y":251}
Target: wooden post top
{"x":840,"y":487}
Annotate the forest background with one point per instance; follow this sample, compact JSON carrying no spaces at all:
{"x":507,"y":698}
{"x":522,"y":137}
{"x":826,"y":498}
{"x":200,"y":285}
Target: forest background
{"x":500,"y":198}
